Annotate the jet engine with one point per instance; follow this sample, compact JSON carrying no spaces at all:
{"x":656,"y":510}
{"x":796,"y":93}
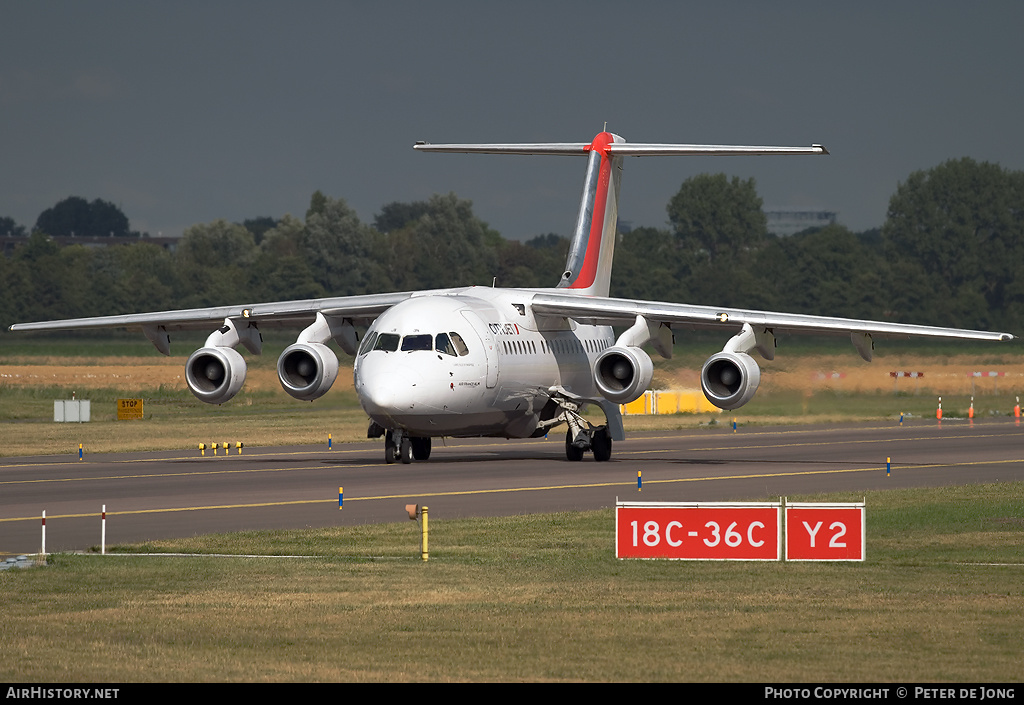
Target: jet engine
{"x":307,"y":370}
{"x":729,"y":379}
{"x":623,"y":374}
{"x":215,"y":374}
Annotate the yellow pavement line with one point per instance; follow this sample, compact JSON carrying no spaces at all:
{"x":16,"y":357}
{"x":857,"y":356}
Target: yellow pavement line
{"x":178,"y":474}
{"x":810,"y":444}
{"x":506,"y":443}
{"x":73,"y":460}
{"x":800,"y":473}
{"x":190,"y":473}
{"x":265,"y":450}
{"x":75,"y":463}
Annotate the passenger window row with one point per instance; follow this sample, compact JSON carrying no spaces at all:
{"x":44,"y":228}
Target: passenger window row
{"x":557,"y":346}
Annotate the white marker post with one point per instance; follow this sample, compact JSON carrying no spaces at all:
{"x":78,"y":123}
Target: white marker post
{"x":103,"y":531}
{"x":43,"y":549}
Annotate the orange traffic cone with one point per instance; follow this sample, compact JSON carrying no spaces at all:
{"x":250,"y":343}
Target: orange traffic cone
{"x":938,"y":412}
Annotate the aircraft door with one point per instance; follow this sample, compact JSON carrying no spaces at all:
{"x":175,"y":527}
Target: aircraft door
{"x":488,"y":345}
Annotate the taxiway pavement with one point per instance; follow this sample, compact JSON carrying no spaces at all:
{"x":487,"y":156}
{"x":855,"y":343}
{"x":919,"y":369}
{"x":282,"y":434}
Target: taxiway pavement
{"x":173,"y":494}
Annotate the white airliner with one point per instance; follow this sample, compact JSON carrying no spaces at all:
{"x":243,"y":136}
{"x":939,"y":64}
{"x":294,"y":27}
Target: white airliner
{"x":510,"y":363}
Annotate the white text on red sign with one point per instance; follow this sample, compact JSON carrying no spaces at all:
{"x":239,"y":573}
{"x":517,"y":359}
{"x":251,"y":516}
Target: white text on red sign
{"x":829,"y":532}
{"x":705,"y":531}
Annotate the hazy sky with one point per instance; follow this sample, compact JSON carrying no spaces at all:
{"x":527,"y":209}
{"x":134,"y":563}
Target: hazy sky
{"x":185,"y":112}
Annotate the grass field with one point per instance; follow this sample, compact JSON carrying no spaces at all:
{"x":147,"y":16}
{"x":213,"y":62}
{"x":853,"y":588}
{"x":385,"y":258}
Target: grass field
{"x":940,"y":598}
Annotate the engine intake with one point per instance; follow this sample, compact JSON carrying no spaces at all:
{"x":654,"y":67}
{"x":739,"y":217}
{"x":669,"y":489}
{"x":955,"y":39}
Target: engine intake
{"x":307,"y":370}
{"x":729,"y":379}
{"x":215,"y":374}
{"x":623,"y":374}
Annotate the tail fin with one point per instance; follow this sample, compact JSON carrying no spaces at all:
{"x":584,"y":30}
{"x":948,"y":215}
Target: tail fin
{"x":588,"y":268}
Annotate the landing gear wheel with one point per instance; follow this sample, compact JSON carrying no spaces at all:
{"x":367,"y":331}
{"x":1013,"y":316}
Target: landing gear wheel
{"x":405,"y":451}
{"x":420,"y":448}
{"x":572,"y":453}
{"x":389,"y":448}
{"x":601,"y":444}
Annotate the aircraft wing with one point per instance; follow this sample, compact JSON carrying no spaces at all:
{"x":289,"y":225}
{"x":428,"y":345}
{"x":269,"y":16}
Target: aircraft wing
{"x":277,"y":313}
{"x":608,"y":311}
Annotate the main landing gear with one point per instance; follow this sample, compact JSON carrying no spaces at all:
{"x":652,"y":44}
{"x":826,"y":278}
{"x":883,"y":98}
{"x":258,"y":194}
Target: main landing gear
{"x":582,"y":435}
{"x":595,"y":439}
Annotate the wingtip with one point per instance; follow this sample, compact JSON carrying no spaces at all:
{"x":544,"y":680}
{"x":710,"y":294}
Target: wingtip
{"x":821,"y":147}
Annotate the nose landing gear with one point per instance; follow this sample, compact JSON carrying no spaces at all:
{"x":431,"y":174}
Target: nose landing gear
{"x":398,"y":445}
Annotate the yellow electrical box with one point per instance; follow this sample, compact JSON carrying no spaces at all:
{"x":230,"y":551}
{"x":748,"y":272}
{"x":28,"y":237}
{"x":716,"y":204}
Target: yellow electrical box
{"x":666,"y":402}
{"x":686,"y":401}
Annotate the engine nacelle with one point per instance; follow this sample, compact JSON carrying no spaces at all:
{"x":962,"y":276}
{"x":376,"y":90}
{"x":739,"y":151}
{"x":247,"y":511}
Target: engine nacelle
{"x":307,"y":370}
{"x":623,"y":374}
{"x":215,"y":374}
{"x":729,"y":379}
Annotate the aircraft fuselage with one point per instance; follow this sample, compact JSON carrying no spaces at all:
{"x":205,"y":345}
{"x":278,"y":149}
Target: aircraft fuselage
{"x":473,"y":362}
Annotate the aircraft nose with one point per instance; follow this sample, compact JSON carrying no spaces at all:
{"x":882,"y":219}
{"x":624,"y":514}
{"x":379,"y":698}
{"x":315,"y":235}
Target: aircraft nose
{"x":379,"y":396}
{"x":390,"y":392}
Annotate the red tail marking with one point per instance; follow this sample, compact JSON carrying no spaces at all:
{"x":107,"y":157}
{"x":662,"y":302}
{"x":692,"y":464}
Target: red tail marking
{"x":588,"y":272}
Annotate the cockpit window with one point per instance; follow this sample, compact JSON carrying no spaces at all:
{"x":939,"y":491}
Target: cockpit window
{"x":443,"y":344}
{"x":368,"y":342}
{"x":459,"y":343}
{"x":417,"y":342}
{"x":448,"y":343}
{"x":387,"y":342}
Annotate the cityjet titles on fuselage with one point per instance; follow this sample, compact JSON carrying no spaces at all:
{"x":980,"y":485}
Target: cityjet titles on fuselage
{"x":504,"y":328}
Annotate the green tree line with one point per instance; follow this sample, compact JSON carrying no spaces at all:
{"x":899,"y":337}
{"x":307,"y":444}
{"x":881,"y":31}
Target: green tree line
{"x":947,"y":254}
{"x":430,"y":244}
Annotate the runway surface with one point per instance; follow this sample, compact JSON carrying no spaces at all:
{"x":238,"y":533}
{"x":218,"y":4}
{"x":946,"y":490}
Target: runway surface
{"x":175,"y":494}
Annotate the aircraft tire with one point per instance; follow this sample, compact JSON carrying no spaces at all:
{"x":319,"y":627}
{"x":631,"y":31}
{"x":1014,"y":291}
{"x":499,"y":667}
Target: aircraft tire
{"x":389,"y":448}
{"x":421,"y":448}
{"x":572,"y":453}
{"x":405,"y":451}
{"x":601,"y":445}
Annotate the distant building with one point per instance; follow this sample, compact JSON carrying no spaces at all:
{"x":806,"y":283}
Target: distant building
{"x":9,"y":242}
{"x":789,"y":221}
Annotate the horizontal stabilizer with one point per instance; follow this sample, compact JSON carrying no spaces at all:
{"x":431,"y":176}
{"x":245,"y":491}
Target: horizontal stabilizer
{"x":629,"y":149}
{"x":568,"y":148}
{"x":620,"y":149}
